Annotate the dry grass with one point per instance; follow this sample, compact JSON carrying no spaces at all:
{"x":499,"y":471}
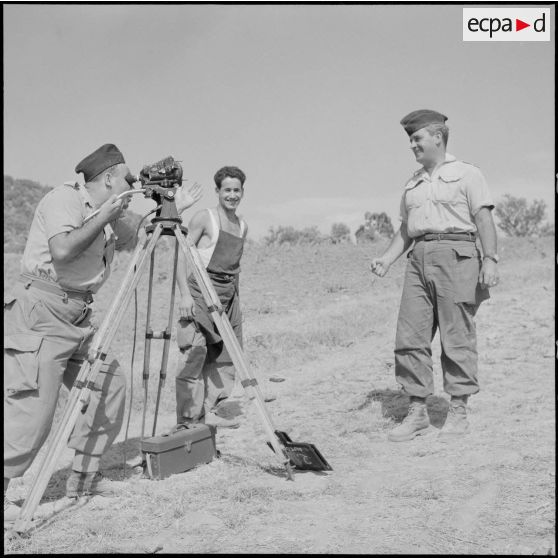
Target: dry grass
{"x":315,"y":316}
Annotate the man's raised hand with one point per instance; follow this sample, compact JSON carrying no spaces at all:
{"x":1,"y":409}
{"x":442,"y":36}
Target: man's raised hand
{"x":187,"y":197}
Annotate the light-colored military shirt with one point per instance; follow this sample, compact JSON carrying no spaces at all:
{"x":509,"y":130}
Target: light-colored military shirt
{"x":63,"y":210}
{"x":446,"y":201}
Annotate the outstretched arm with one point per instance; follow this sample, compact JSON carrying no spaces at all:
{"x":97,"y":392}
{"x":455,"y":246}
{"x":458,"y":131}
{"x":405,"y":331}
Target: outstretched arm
{"x":399,"y":244}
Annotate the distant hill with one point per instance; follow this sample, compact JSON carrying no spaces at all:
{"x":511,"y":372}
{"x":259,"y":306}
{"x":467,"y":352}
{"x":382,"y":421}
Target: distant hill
{"x":21,"y":197}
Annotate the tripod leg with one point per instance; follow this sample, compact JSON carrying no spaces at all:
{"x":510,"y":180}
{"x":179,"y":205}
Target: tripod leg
{"x":224,"y":327}
{"x":79,"y":394}
{"x":137,"y":260}
{"x":147,"y":348}
{"x":167,"y":338}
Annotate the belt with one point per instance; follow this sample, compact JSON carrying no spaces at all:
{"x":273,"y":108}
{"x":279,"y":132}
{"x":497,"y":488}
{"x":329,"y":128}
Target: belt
{"x":32,"y":281}
{"x":222,"y":277}
{"x":468,"y":236}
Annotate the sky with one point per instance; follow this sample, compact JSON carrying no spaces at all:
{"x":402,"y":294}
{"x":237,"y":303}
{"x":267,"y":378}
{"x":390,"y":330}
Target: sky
{"x":306,"y":99}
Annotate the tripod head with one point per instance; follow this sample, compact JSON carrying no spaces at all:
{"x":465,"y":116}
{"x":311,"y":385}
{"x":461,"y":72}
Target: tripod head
{"x":166,"y":173}
{"x":160,"y":181}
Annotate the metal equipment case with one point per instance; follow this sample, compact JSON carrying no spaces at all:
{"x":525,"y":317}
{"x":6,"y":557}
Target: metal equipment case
{"x":178,"y":451}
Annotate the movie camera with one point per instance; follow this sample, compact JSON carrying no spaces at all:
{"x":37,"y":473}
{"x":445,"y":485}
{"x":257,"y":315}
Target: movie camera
{"x":159,"y":178}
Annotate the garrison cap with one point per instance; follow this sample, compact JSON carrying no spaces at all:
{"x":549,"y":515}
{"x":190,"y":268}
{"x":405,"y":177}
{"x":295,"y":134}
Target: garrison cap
{"x":420,"y":118}
{"x":101,"y":159}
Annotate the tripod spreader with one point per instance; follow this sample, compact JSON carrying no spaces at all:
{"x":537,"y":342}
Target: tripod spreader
{"x":158,"y":335}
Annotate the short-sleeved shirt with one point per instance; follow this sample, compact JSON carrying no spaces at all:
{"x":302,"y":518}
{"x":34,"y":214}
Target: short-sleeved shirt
{"x":63,"y":210}
{"x":446,"y":201}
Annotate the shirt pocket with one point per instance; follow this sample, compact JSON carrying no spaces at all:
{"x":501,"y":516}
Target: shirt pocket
{"x":21,"y":363}
{"x":447,"y":188}
{"x":415,"y":196}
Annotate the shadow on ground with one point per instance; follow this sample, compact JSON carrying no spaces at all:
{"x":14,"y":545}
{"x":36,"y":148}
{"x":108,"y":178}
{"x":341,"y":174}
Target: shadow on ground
{"x":54,"y":501}
{"x":118,"y":463}
{"x":395,"y":405}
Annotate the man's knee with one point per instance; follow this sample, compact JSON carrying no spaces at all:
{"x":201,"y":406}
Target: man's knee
{"x":192,"y":365}
{"x":113,"y":382}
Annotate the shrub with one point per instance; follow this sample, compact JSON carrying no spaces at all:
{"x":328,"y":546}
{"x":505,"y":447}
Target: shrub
{"x":21,"y":197}
{"x":340,"y":233}
{"x":290,"y":235}
{"x":375,"y":224}
{"x":518,"y":218}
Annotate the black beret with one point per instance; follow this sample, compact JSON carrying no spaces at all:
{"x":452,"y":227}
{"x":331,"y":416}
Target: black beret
{"x":420,"y":118}
{"x":101,"y":159}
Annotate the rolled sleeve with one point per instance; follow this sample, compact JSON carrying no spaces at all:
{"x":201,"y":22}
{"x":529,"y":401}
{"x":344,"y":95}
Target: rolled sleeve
{"x":61,"y":211}
{"x":403,"y":209}
{"x":477,"y":192}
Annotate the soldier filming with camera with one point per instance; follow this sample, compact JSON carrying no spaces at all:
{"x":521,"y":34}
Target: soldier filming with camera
{"x":47,"y":321}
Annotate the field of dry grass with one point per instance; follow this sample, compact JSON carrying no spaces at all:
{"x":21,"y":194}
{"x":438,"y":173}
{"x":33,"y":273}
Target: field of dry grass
{"x":316,"y":317}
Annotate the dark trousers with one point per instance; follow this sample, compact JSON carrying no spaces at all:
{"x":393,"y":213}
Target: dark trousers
{"x":205,"y":373}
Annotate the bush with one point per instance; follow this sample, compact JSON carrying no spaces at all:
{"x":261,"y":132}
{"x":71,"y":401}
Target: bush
{"x":517,"y":218}
{"x":290,"y":235}
{"x":21,"y":197}
{"x":340,"y":233}
{"x":375,"y":224}
{"x":547,"y":230}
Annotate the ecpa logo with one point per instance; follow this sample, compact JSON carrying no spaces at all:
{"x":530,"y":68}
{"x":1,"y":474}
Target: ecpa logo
{"x":506,"y":24}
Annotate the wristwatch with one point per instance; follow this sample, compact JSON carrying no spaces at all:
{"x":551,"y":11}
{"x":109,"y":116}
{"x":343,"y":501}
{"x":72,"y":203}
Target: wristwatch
{"x":494,"y":257}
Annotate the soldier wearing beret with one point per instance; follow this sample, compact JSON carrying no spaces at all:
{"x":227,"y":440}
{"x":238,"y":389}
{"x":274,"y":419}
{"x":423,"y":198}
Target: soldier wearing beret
{"x":445,"y":207}
{"x":47,"y":322}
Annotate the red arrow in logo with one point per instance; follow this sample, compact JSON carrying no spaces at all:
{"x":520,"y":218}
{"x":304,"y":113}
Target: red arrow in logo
{"x":519,"y":25}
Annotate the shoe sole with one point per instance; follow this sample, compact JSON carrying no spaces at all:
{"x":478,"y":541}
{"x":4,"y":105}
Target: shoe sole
{"x":411,"y":437}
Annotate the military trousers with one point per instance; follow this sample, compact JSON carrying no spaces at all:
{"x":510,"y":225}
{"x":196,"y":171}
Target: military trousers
{"x":440,"y":292}
{"x":46,"y":339}
{"x":205,"y":374}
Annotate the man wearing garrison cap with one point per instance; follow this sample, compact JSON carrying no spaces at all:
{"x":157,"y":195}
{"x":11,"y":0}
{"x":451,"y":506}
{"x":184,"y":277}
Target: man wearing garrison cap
{"x":445,"y":208}
{"x":47,"y":322}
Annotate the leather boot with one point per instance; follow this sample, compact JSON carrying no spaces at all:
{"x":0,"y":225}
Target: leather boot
{"x":414,"y":424}
{"x":456,"y":424}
